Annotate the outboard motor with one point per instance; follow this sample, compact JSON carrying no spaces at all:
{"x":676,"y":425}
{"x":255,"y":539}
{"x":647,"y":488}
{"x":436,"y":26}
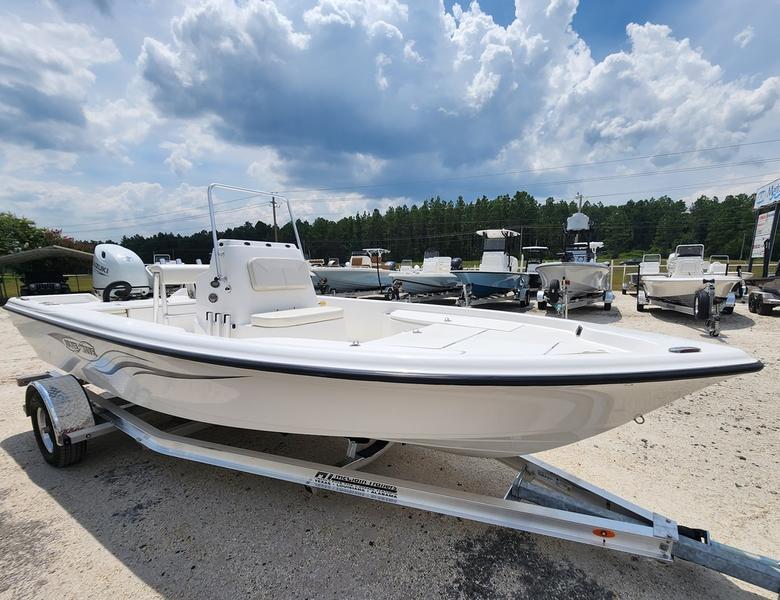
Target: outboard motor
{"x":119,"y":273}
{"x":456,"y":264}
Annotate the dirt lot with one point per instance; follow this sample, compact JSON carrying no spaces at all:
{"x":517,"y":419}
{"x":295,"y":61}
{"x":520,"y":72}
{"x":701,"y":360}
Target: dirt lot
{"x":130,"y":523}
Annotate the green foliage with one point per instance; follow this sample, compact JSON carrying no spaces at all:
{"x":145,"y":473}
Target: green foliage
{"x":638,"y":226}
{"x":18,"y":233}
{"x":650,"y":225}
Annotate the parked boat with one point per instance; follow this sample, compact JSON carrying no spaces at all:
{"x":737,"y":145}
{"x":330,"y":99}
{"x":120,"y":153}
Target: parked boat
{"x":434,"y":277}
{"x":498,"y":272}
{"x":650,"y":264}
{"x":687,"y":274}
{"x":364,"y":271}
{"x":533,"y":256}
{"x":579,"y":279}
{"x":257,"y":349}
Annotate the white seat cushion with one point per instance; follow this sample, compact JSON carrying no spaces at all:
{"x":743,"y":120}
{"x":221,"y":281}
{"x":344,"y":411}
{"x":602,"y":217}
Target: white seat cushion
{"x":274,"y":273}
{"x":297,"y":316}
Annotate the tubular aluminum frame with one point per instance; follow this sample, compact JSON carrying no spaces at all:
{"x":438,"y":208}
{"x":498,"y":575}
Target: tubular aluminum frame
{"x":213,"y":218}
{"x":542,"y":499}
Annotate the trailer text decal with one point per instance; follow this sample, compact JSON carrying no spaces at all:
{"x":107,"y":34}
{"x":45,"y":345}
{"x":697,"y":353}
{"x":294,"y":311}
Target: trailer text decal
{"x":355,"y":486}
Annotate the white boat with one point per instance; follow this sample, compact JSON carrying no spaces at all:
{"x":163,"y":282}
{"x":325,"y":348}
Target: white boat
{"x":533,"y":257}
{"x":362,"y":272}
{"x":579,"y":279}
{"x":649,"y":265}
{"x":257,"y":349}
{"x":687,"y":275}
{"x":498,"y":272}
{"x":434,"y":276}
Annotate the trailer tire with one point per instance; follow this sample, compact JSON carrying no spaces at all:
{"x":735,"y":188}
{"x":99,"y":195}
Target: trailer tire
{"x":763,"y":309}
{"x":701,"y":305}
{"x":608,"y":306}
{"x":752,"y":303}
{"x":554,"y":293}
{"x":55,"y":455}
{"x":525,"y":299}
{"x":727,"y":310}
{"x":542,"y":305}
{"x":624,"y":291}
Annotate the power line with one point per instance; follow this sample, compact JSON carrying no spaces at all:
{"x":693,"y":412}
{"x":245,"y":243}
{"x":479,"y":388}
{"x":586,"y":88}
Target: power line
{"x":145,"y":218}
{"x":486,"y":175}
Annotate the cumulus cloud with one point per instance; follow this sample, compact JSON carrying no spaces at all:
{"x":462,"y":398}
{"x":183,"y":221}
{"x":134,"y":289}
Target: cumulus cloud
{"x":45,"y":72}
{"x":744,"y":37}
{"x":98,"y":212}
{"x":390,"y":80}
{"x":660,"y":96}
{"x":328,"y":93}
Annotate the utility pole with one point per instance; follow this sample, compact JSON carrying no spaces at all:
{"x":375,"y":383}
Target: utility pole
{"x":276,"y":228}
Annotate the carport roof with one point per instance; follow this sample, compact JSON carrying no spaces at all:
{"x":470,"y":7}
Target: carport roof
{"x":46,"y":252}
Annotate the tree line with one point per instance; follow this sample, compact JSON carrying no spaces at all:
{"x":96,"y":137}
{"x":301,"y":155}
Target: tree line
{"x":631,"y":229}
{"x":649,"y":225}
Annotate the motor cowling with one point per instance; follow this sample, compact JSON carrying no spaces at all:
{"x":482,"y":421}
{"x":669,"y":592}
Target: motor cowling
{"x":119,"y":273}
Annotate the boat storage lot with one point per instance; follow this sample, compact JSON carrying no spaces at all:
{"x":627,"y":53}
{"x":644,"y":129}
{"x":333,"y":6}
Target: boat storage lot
{"x":129,"y":523}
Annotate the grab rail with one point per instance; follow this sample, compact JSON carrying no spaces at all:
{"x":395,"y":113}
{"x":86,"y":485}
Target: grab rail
{"x":213,"y":219}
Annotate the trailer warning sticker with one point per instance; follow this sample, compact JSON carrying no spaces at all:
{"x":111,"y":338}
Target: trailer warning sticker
{"x":355,"y":486}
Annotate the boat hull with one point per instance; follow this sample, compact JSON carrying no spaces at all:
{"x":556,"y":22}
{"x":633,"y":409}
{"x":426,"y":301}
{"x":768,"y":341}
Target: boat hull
{"x":343,"y":279}
{"x":682,"y":290}
{"x":484,"y":284}
{"x":479,"y":420}
{"x":584,"y":278}
{"x":425,"y":283}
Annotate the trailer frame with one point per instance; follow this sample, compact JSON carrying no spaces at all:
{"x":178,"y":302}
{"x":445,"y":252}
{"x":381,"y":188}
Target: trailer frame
{"x":540,"y":499}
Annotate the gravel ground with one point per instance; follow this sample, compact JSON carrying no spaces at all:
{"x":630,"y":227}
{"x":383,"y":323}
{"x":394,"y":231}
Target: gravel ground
{"x":129,"y":523}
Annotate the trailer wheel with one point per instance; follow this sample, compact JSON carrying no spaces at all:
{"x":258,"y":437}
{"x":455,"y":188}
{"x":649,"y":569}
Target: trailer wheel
{"x":524,"y":299}
{"x":542,"y":305}
{"x":727,"y":310}
{"x":554,"y":294}
{"x":624,"y":291}
{"x":55,"y":455}
{"x":761,"y":308}
{"x":608,"y":306}
{"x":701,"y":305}
{"x":752,"y":303}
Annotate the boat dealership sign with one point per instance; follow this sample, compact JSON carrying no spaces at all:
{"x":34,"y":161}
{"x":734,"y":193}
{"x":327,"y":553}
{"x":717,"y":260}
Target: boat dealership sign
{"x":768,"y":195}
{"x":763,"y":233}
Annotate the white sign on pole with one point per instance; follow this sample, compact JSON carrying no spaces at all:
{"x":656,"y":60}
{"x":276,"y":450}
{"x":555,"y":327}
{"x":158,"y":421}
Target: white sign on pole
{"x":763,"y":232}
{"x":767,"y":195}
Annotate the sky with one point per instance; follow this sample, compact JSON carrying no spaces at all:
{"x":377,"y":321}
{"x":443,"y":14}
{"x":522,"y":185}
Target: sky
{"x":115,"y":116}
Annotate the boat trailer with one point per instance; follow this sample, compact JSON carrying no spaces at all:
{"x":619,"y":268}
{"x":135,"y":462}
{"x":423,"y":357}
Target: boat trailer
{"x":559,"y":298}
{"x":66,"y":413}
{"x":705,"y":308}
{"x":521,"y":297}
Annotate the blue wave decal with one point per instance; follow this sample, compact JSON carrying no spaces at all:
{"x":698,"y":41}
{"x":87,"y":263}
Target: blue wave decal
{"x":104,"y":365}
